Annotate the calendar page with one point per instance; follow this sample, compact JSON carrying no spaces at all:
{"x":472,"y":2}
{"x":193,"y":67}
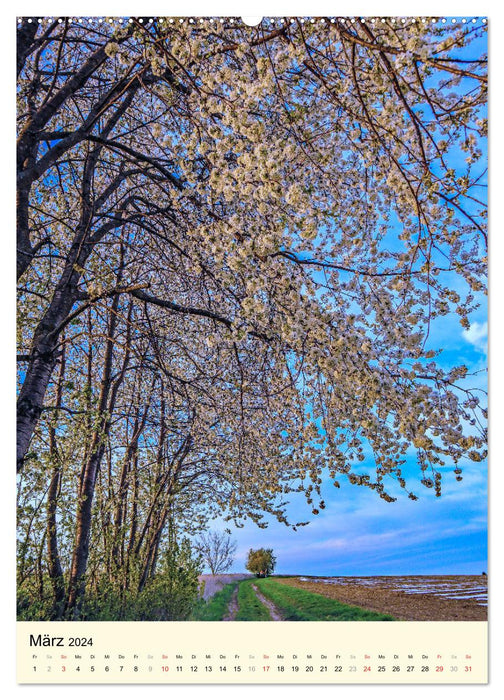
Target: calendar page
{"x":251,"y":349}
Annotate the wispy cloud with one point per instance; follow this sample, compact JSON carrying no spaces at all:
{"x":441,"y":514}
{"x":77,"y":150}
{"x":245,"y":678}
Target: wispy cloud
{"x":359,"y":533}
{"x":477,"y":335}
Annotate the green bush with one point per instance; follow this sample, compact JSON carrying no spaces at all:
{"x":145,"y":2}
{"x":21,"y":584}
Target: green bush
{"x":171,"y":594}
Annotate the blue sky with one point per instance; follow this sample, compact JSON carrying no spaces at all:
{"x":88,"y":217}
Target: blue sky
{"x":360,"y":534}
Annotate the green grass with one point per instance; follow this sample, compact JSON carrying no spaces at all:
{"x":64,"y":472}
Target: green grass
{"x":216,"y":607}
{"x":249,"y":605}
{"x":297,"y":604}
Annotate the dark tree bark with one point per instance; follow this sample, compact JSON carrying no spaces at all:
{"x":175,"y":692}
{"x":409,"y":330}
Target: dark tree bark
{"x":53,"y":556}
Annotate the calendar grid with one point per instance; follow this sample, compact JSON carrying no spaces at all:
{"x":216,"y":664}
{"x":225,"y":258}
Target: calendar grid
{"x":168,"y":653}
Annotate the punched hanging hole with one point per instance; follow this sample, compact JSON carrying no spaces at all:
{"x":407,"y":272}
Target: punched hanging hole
{"x":251,"y":21}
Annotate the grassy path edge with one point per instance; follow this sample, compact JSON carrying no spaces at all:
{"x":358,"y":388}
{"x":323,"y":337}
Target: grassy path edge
{"x":250,"y":607}
{"x":296,"y":604}
{"x":216,"y":607}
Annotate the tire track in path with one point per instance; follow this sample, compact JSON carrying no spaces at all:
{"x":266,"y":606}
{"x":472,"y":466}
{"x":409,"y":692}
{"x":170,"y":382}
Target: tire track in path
{"x":273,"y":611}
{"x":232,"y":607}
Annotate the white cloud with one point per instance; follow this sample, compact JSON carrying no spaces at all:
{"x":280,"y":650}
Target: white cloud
{"x":477,"y":335}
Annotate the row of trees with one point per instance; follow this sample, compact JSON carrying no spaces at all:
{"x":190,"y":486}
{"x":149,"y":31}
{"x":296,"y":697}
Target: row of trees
{"x":232,"y":244}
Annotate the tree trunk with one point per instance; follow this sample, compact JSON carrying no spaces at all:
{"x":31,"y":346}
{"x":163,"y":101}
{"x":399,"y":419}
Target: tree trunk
{"x":108,"y":394}
{"x":43,"y":352}
{"x":54,"y":562}
{"x":82,"y":535}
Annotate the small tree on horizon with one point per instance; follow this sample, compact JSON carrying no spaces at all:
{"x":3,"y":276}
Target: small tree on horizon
{"x":217,"y":550}
{"x":261,"y":562}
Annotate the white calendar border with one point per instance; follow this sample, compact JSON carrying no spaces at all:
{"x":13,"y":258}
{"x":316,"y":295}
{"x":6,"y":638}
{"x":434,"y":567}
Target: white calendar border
{"x":449,"y":8}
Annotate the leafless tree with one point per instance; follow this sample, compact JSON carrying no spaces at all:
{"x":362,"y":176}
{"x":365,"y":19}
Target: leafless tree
{"x":217,"y":550}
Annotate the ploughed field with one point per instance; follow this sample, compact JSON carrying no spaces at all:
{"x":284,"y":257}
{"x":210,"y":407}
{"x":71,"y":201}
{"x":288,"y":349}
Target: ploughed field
{"x":406,"y":597}
{"x":361,"y":598}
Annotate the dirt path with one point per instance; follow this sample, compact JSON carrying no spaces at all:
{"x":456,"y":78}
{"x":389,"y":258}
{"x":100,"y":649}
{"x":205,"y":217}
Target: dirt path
{"x":274,"y":614}
{"x":233,"y":607}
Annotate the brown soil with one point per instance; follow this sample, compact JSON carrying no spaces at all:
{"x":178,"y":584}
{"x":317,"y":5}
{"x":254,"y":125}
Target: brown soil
{"x":274,"y":614}
{"x":382,"y":597}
